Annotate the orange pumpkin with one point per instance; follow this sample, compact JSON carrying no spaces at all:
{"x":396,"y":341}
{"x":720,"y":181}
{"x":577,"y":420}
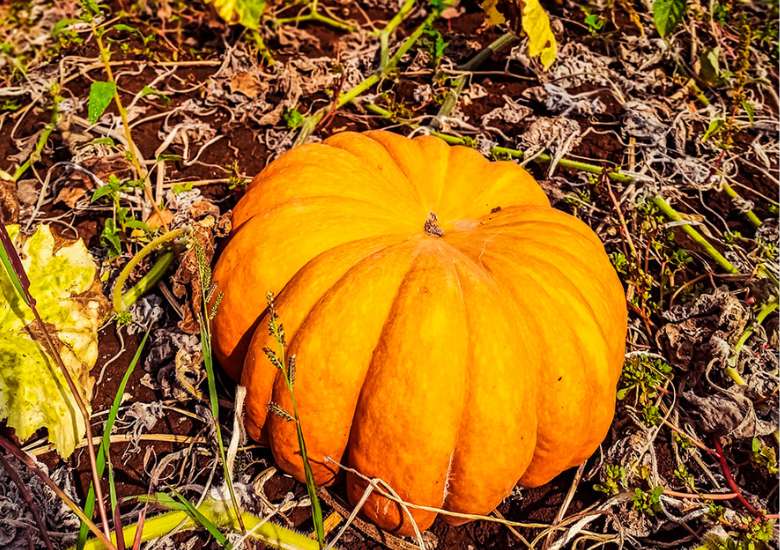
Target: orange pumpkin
{"x":453,"y":333}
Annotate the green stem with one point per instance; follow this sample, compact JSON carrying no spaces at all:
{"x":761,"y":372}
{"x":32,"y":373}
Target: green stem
{"x":287,"y":369}
{"x":384,"y":34}
{"x":39,"y":145}
{"x":451,"y":100}
{"x":542,"y":158}
{"x":116,"y":296}
{"x":735,"y":376}
{"x":148,"y":281}
{"x":407,"y":44}
{"x":262,"y":48}
{"x":738,"y":200}
{"x":258,"y":529}
{"x":204,"y":320}
{"x":311,"y":121}
{"x":767,"y":308}
{"x":384,"y":113}
{"x":134,"y":152}
{"x":315,"y":15}
{"x":694,"y":234}
{"x":571,"y":164}
{"x":499,"y":44}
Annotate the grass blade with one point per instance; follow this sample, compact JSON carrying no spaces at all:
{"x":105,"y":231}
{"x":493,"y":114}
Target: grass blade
{"x":89,"y":508}
{"x":204,"y":320}
{"x":13,"y":266}
{"x":287,"y":367}
{"x":182,"y":515}
{"x":202,"y":520}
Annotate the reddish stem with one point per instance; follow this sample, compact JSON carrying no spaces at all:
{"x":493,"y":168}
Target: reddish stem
{"x":139,"y":530}
{"x":120,"y":539}
{"x":731,"y":482}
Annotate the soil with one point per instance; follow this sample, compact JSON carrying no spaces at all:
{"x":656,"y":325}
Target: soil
{"x":243,"y":145}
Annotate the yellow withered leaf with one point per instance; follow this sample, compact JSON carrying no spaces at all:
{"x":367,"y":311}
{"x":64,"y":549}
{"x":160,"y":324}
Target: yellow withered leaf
{"x":33,"y":391}
{"x":242,"y":12}
{"x":541,"y":40}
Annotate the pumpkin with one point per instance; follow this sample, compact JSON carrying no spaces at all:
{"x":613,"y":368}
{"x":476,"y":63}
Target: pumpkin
{"x":453,"y":333}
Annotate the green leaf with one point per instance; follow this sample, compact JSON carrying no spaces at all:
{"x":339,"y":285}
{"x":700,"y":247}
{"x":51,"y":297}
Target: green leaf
{"x":202,"y":520}
{"x":61,"y":26}
{"x":147,"y":91}
{"x":103,"y":141}
{"x":541,"y":40}
{"x":132,"y":223}
{"x":33,"y":391}
{"x":716,"y":125}
{"x":109,"y":237}
{"x":242,"y":12}
{"x":667,"y":14}
{"x":103,"y":191}
{"x":293,"y":118}
{"x":92,"y":7}
{"x":710,"y":65}
{"x":179,"y":188}
{"x":594,"y":22}
{"x":100,"y":96}
{"x":750,"y":111}
{"x":125,"y":28}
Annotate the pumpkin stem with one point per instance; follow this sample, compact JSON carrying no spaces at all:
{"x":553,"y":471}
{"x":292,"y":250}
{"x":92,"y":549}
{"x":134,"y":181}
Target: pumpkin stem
{"x":431,"y":226}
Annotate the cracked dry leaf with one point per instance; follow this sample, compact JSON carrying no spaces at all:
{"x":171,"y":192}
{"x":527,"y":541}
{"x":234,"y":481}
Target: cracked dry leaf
{"x":245,"y":83}
{"x":33,"y":391}
{"x":728,"y":413}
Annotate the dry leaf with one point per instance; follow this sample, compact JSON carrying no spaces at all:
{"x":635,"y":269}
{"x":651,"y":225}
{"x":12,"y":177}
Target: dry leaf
{"x":70,"y":196}
{"x":159,"y":219}
{"x":245,"y":83}
{"x":9,"y":204}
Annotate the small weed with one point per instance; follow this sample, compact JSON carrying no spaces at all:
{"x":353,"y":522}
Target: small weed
{"x":434,"y":43}
{"x":648,"y":502}
{"x":764,"y":456}
{"x":593,"y":21}
{"x":123,"y":218}
{"x":620,"y":262}
{"x":685,"y":477}
{"x":752,"y":535}
{"x":293,"y":118}
{"x":286,"y":365}
{"x":715,"y":511}
{"x":643,"y":376}
{"x":651,"y":415}
{"x":615,"y":475}
{"x":179,"y":188}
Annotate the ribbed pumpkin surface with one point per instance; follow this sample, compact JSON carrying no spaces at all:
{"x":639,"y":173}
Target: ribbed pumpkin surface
{"x":453,"y":333}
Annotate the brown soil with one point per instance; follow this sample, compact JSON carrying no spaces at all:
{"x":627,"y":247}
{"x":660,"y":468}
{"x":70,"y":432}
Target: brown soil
{"x":242,"y":146}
